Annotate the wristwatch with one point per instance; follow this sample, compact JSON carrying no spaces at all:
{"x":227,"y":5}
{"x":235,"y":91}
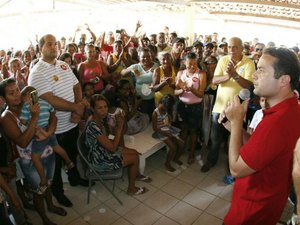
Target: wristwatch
{"x":236,"y":77}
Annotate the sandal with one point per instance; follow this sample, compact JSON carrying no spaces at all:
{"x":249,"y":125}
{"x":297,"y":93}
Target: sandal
{"x":139,"y":191}
{"x":58,"y":211}
{"x":145,"y":179}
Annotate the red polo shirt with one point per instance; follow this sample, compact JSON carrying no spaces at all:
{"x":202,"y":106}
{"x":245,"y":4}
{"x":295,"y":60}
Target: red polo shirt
{"x":259,"y":199}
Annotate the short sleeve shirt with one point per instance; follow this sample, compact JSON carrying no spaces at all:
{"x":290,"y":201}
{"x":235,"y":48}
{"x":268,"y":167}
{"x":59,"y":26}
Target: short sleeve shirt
{"x":227,"y":90}
{"x":60,"y":80}
{"x":261,"y":197}
{"x":143,"y":77}
{"x":45,"y":110}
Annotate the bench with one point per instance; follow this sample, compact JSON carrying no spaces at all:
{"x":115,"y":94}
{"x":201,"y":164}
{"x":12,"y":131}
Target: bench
{"x":145,"y":144}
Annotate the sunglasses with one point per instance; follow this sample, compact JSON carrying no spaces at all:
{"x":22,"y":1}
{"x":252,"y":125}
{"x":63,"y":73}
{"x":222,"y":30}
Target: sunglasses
{"x":258,"y":49}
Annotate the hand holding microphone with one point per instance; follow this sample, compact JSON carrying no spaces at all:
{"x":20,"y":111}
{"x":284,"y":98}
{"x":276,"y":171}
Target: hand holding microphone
{"x":235,"y":107}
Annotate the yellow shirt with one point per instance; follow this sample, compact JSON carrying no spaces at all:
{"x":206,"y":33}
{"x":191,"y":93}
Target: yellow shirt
{"x":245,"y":68}
{"x":166,"y":89}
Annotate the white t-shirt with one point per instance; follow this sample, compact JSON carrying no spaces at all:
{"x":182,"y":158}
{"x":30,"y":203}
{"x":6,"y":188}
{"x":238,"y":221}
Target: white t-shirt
{"x":258,"y":115}
{"x":60,"y":80}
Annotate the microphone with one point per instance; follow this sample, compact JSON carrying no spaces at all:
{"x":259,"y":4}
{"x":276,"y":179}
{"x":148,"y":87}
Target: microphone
{"x":244,"y":94}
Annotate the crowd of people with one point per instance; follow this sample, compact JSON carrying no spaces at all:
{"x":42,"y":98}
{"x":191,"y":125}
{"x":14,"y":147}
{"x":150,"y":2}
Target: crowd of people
{"x":121,"y":84}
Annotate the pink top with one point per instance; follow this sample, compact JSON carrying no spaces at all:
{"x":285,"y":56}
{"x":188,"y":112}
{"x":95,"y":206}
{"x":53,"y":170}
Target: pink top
{"x":92,"y":73}
{"x":188,"y":97}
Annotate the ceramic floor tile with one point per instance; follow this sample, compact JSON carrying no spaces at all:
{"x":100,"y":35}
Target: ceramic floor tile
{"x":79,"y":221}
{"x":142,"y":215}
{"x":218,"y":208}
{"x":73,"y":191}
{"x":218,"y":172}
{"x":226,"y":193}
{"x":212,"y":185}
{"x":99,"y":192}
{"x":121,"y":221}
{"x":183,"y":213}
{"x":199,"y":199}
{"x":101,"y":215}
{"x":191,"y":176}
{"x":161,"y":201}
{"x":128,"y":203}
{"x":148,"y":194}
{"x":80,"y":204}
{"x":207,"y":219}
{"x":62,"y":220}
{"x":159,"y":178}
{"x":35,"y":219}
{"x":177,"y":188}
{"x":165,"y":221}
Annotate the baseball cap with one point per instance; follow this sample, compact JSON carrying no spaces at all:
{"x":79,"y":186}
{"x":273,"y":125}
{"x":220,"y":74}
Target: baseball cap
{"x":223,"y":44}
{"x":197,"y":43}
{"x":178,"y":40}
{"x":209,"y":44}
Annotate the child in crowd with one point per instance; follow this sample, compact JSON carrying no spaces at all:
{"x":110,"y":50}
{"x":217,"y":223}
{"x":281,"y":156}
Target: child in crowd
{"x":130,"y":103}
{"x":88,"y":92}
{"x":161,"y":122}
{"x":113,"y":110}
{"x":258,"y":115}
{"x":44,"y":135}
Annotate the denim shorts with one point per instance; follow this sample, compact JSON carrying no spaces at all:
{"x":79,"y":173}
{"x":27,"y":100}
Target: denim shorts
{"x":31,"y":173}
{"x":39,"y":146}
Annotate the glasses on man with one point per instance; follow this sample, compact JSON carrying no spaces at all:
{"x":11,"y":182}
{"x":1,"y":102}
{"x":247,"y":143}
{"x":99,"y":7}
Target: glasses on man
{"x":258,"y":49}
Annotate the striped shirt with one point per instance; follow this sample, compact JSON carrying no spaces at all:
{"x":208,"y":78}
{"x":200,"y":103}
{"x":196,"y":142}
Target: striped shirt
{"x":60,"y":80}
{"x":45,"y":110}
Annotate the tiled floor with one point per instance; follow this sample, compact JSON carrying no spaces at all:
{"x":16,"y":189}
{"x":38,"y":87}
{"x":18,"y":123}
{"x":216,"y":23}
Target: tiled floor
{"x":190,"y":197}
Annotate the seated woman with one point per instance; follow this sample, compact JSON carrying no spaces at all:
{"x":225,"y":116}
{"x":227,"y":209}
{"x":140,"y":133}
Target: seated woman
{"x":106,"y":154}
{"x":130,"y":103}
{"x":22,"y":137}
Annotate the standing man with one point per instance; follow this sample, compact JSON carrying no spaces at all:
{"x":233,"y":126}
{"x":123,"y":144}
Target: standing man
{"x":262,"y":165}
{"x":233,"y":72}
{"x":56,"y":83}
{"x":161,"y":43}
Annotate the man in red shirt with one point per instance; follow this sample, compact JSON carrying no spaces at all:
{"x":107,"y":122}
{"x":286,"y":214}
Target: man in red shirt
{"x":262,"y":166}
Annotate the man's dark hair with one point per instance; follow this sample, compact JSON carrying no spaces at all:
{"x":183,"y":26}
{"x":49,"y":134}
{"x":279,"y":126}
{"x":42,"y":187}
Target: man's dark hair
{"x":191,"y":55}
{"x":173,"y":34}
{"x":42,"y":42}
{"x":65,"y":55}
{"x":287,"y":63}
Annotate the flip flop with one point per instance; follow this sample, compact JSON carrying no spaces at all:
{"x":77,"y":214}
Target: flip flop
{"x":140,"y":190}
{"x":145,"y":179}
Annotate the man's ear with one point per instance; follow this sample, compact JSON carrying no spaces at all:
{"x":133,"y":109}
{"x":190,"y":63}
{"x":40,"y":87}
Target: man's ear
{"x":285,"y":80}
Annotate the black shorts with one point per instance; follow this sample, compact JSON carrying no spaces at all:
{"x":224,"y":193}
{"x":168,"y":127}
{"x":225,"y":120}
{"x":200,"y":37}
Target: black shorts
{"x":191,"y":114}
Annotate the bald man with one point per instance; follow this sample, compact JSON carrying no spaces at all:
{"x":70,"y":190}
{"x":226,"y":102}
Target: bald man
{"x":233,"y":72}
